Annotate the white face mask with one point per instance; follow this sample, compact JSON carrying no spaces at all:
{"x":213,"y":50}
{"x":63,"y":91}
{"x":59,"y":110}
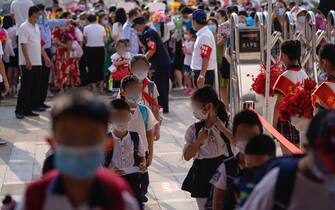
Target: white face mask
{"x":141,"y":75}
{"x":198,"y":114}
{"x":120,"y":126}
{"x":241,"y":144}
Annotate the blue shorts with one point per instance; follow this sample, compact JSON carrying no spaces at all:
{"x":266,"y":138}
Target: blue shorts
{"x":187,"y":70}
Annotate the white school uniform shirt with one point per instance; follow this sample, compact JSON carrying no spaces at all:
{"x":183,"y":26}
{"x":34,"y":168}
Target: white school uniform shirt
{"x":30,"y":35}
{"x":219,"y":179}
{"x":205,"y":41}
{"x":188,"y":47}
{"x":136,"y":124}
{"x":123,"y":154}
{"x":8,"y":49}
{"x":117,"y":57}
{"x":95,"y":35}
{"x":20,"y":10}
{"x":12,"y":35}
{"x":306,"y":195}
{"x":154,"y":95}
{"x":213,"y":147}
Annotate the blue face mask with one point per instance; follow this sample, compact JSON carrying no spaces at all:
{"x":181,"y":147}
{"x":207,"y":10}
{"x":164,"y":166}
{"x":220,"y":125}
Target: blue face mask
{"x":134,"y":99}
{"x":281,"y":12}
{"x":79,"y":163}
{"x":212,"y":28}
{"x":301,"y":19}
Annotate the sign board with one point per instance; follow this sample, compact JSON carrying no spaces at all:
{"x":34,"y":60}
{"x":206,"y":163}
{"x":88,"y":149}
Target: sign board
{"x":249,"y":40}
{"x":126,"y":5}
{"x":157,"y":6}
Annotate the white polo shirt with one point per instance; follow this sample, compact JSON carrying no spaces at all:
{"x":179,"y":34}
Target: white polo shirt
{"x":30,"y":35}
{"x":204,"y":46}
{"x":20,"y":10}
{"x":94,"y":34}
{"x":137,"y":124}
{"x":123,"y":154}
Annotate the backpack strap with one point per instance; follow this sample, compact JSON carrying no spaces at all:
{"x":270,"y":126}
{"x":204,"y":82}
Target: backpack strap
{"x":145,"y":115}
{"x":108,"y":155}
{"x":285,"y":183}
{"x":36,"y":192}
{"x":198,"y":126}
{"x":136,"y":142}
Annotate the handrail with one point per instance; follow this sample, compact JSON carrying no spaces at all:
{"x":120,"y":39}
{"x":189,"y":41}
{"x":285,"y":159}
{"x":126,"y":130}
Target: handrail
{"x":286,"y":143}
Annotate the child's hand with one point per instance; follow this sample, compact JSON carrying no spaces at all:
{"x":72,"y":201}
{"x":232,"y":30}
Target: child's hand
{"x":202,"y":136}
{"x":149,"y":159}
{"x":220,"y":125}
{"x":142,"y":166}
{"x":118,"y":171}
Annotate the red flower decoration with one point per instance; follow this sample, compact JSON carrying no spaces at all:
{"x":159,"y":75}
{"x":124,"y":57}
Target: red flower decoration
{"x":259,"y":82}
{"x":299,"y":104}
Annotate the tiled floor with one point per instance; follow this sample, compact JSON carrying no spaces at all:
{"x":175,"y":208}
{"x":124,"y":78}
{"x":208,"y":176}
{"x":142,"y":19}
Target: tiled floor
{"x":21,"y":159}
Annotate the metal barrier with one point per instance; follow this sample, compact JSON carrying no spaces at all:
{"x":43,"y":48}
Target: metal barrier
{"x":235,"y":81}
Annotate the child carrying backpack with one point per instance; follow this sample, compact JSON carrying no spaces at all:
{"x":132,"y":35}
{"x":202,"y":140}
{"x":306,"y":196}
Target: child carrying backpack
{"x":142,"y":121}
{"x":205,"y":143}
{"x":127,"y":156}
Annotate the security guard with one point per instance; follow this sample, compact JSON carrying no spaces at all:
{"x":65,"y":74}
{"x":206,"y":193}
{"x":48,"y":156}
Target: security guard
{"x":159,"y":59}
{"x":204,"y":54}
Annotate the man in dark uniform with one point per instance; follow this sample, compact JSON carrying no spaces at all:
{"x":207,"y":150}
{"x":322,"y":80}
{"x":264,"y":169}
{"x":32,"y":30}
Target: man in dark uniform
{"x":158,"y":57}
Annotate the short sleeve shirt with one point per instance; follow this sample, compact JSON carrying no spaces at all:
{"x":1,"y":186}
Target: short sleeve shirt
{"x":204,"y":47}
{"x":154,"y":95}
{"x":95,"y":35}
{"x":123,"y":154}
{"x":137,"y":124}
{"x":219,"y":180}
{"x":30,"y":36}
{"x":213,"y":147}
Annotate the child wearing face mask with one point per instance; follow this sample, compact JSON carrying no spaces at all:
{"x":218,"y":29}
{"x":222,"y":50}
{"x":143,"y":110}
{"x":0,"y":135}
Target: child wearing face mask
{"x":205,"y":143}
{"x":120,"y":61}
{"x":79,"y":122}
{"x":246,"y":125}
{"x":127,"y":157}
{"x":139,"y":67}
{"x":188,"y":45}
{"x":142,"y":121}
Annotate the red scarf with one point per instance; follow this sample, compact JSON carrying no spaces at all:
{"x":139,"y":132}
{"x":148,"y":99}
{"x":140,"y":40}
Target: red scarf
{"x":147,"y":97}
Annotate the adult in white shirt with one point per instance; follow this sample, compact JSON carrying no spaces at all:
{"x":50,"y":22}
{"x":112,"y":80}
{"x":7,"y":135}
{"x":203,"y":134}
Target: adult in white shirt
{"x":94,"y":36}
{"x":313,"y":184}
{"x":19,"y":8}
{"x":119,"y":21}
{"x":203,"y":61}
{"x":31,"y":64}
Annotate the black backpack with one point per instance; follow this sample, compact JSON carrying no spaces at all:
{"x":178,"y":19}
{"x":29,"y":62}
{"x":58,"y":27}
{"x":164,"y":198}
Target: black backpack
{"x":136,"y":141}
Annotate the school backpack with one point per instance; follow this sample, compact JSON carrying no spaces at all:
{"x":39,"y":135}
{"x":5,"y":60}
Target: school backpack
{"x":136,"y":142}
{"x":145,"y":114}
{"x":109,"y":191}
{"x":284,"y":185}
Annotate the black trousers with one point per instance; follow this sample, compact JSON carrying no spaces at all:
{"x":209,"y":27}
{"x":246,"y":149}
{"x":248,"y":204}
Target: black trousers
{"x":161,"y":78}
{"x":95,"y":63}
{"x":134,"y":182}
{"x":29,"y":93}
{"x":44,"y":80}
{"x":209,"y":78}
